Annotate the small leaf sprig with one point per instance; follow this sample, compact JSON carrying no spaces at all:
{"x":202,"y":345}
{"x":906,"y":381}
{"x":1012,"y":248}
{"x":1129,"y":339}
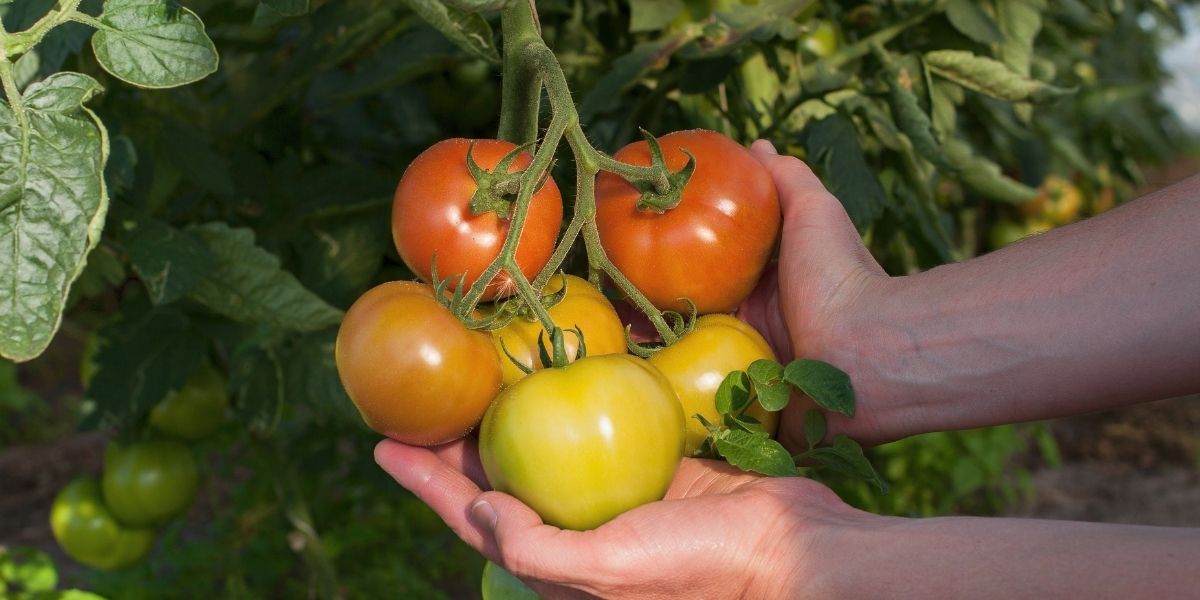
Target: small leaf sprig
{"x":740,"y":439}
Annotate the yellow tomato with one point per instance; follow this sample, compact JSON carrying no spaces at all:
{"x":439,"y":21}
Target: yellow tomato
{"x":583,"y":306}
{"x":697,"y":363}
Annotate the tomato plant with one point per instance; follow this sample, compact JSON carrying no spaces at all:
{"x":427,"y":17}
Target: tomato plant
{"x":697,"y":363}
{"x":726,"y":223}
{"x":88,"y":532}
{"x":499,"y":584}
{"x":404,"y":360}
{"x":583,"y":306}
{"x":196,"y":410}
{"x":432,"y":216}
{"x":583,"y":443}
{"x":147,"y":483}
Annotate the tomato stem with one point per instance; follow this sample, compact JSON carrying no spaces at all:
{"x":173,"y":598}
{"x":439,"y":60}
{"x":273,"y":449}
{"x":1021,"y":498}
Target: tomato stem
{"x":521,"y":92}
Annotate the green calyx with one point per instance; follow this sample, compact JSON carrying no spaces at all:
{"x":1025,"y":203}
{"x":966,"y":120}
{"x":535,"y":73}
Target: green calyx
{"x":665,"y":191}
{"x":680,"y":325}
{"x":496,"y":190}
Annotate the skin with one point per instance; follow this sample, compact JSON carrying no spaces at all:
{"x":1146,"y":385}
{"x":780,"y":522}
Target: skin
{"x":1091,"y":316}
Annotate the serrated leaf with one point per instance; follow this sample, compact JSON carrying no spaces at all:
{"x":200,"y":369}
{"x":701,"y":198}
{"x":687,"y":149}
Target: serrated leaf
{"x":147,"y":353}
{"x":846,"y":456}
{"x":832,"y":146}
{"x":814,"y":428}
{"x":186,"y":148}
{"x":248,"y":284}
{"x":468,"y":30}
{"x":270,"y":12}
{"x":755,"y":452}
{"x":988,"y":76}
{"x":733,"y":395}
{"x":826,"y":384}
{"x":256,"y":387}
{"x":652,"y":15}
{"x":970,"y":20}
{"x":310,"y":375}
{"x":169,"y":261}
{"x":772,"y":392}
{"x":52,"y":206}
{"x":153,"y":43}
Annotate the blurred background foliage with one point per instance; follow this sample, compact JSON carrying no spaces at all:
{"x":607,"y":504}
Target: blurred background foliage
{"x":296,"y":144}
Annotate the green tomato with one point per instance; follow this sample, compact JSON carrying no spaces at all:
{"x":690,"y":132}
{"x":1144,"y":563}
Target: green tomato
{"x":89,"y":533}
{"x":586,"y":442}
{"x":499,"y":584}
{"x":196,"y":410}
{"x":696,"y":364}
{"x":147,"y":483}
{"x":821,"y":40}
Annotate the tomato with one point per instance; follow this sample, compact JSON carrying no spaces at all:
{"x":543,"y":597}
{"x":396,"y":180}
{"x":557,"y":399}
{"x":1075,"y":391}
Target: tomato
{"x":87,"y":531}
{"x":416,"y":374}
{"x":431,"y":215}
{"x":586,"y":442}
{"x":499,"y":584}
{"x":821,"y":39}
{"x":196,"y":410}
{"x":147,"y":483}
{"x":697,"y":363}
{"x":1058,"y":202}
{"x":714,"y":245}
{"x":583,"y":307}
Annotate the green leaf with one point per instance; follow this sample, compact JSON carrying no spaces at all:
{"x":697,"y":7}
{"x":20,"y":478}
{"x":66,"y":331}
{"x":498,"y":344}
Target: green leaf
{"x":970,"y":20}
{"x":814,"y":427}
{"x":906,"y":108}
{"x":468,"y":30}
{"x":733,"y":395}
{"x":52,"y":206}
{"x":756,"y":452}
{"x":1020,"y":20}
{"x":832,"y":146}
{"x":147,"y":353}
{"x":13,"y":396}
{"x":153,"y":43}
{"x":248,"y":285}
{"x":186,"y":148}
{"x":339,"y":258}
{"x":652,"y":15}
{"x":625,"y":71}
{"x":256,"y":387}
{"x":270,"y":12}
{"x":988,"y":76}
{"x":170,"y":262}
{"x":826,"y":384}
{"x":310,"y":375}
{"x":772,"y":392}
{"x":28,"y":569}
{"x":985,"y":176}
{"x":846,"y":456}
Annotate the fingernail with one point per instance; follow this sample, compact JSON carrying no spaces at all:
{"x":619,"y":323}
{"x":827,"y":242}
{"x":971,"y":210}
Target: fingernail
{"x":484,"y":515}
{"x":766,"y":146}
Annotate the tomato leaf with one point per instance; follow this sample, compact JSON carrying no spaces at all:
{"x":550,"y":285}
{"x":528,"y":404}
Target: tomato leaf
{"x":755,"y":451}
{"x":826,"y":384}
{"x":989,"y":76}
{"x":733,"y":395}
{"x":814,"y":428}
{"x":256,"y":386}
{"x":249,"y":285}
{"x":846,"y":456}
{"x":170,"y":262}
{"x":652,"y":16}
{"x":147,"y":353}
{"x":772,"y":392}
{"x":970,"y":20}
{"x":52,"y":206}
{"x":153,"y":43}
{"x":832,"y":145}
{"x":468,"y":30}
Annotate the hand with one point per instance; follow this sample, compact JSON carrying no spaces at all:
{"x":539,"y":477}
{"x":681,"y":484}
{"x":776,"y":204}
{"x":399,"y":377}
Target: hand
{"x":718,"y":530}
{"x":824,"y":279}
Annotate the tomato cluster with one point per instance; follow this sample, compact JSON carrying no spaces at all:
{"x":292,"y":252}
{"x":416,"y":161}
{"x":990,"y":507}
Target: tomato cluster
{"x":568,"y":421}
{"x":111,"y":523}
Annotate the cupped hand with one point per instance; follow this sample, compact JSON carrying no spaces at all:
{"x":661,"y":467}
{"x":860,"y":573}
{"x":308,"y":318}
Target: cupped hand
{"x":719,"y":532}
{"x":825,"y":280}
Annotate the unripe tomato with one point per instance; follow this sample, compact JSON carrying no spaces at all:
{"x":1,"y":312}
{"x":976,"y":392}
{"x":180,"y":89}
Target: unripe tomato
{"x":821,"y":39}
{"x":1058,"y":202}
{"x":147,"y":483}
{"x":584,"y":307}
{"x":87,"y":531}
{"x":586,"y":442}
{"x":498,"y":584}
{"x":416,"y":374}
{"x":697,"y":363}
{"x":196,"y":410}
{"x":431,"y":215}
{"x":714,"y":245}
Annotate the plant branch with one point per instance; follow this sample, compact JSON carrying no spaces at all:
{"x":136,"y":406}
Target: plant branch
{"x":15,"y":44}
{"x":521,"y":91}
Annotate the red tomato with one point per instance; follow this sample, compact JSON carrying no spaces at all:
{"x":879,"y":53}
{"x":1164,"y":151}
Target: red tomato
{"x":713,"y":246}
{"x":431,"y":214}
{"x":416,"y":374}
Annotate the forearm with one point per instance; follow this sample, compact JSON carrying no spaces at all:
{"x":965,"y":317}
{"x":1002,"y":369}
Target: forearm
{"x":1099,"y":314}
{"x":1006,"y":558}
